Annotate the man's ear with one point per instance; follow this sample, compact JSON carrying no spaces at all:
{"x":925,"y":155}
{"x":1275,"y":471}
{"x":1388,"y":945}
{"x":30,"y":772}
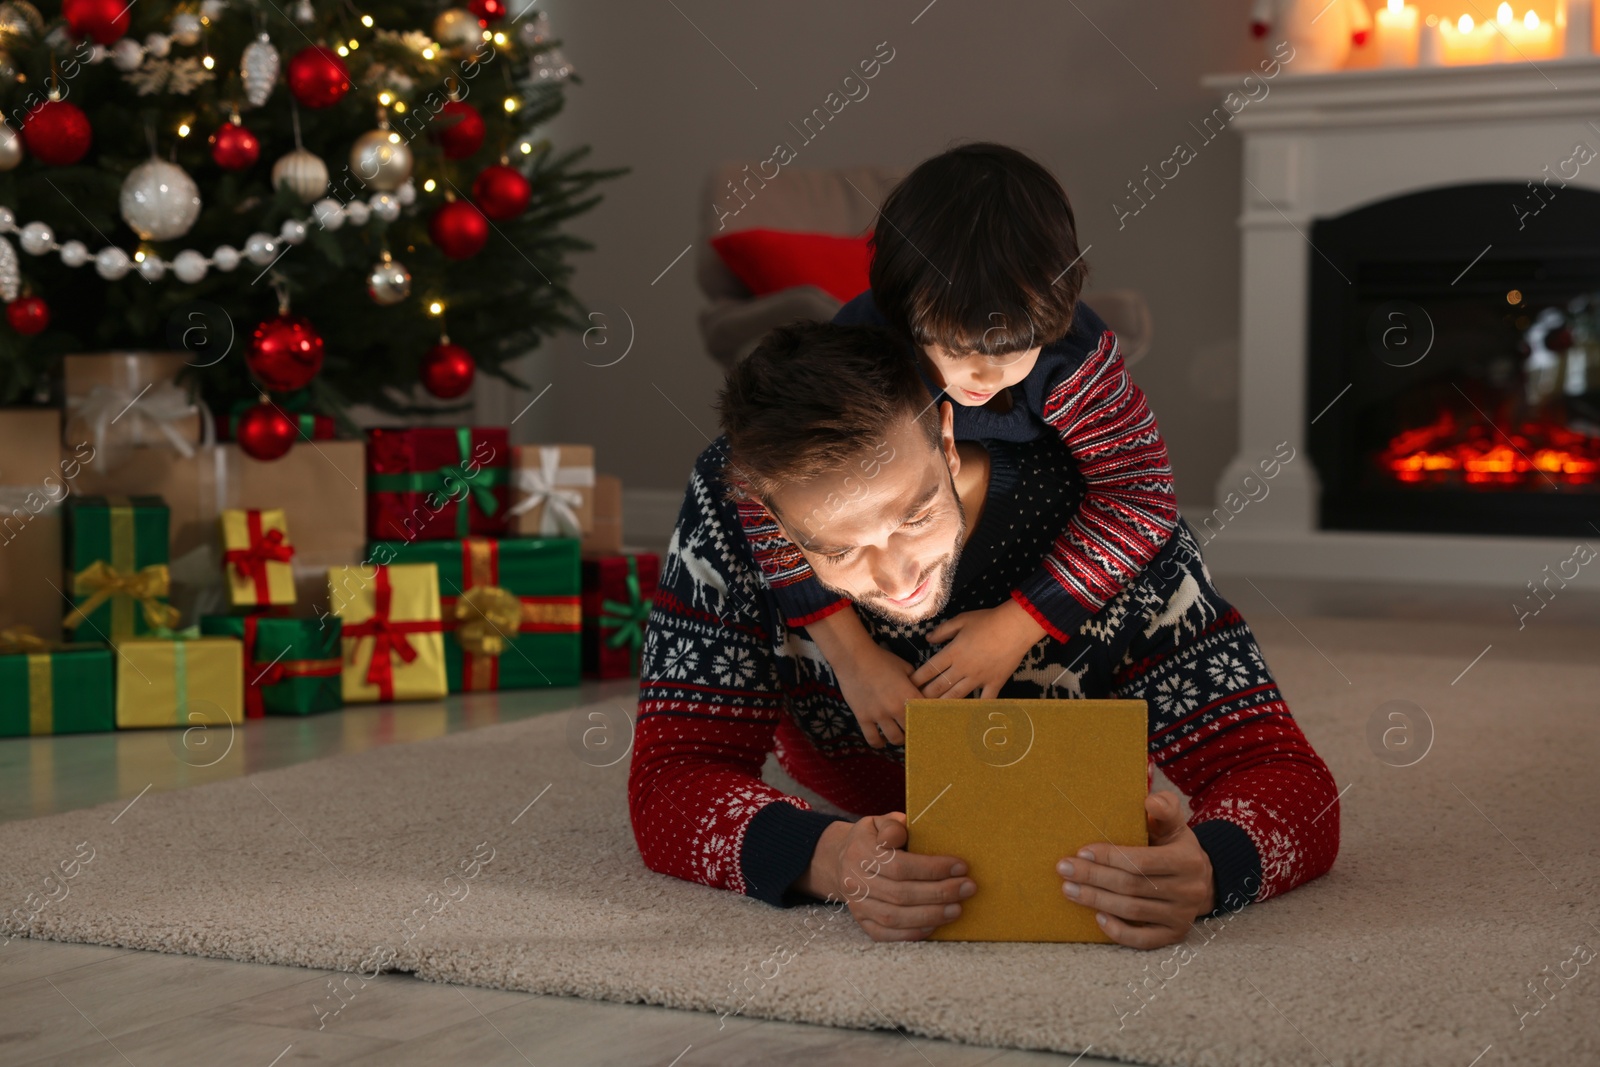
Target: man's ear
{"x":947,"y":437}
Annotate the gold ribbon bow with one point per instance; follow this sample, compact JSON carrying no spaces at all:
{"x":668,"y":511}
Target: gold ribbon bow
{"x":486,"y":615}
{"x":100,"y":581}
{"x":22,"y":641}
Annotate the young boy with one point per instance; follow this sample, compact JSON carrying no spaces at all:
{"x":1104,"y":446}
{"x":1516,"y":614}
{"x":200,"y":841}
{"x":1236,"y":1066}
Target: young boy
{"x":976,"y":267}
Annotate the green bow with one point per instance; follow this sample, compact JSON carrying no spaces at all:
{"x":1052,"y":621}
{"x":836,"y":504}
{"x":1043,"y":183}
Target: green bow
{"x":480,"y":486}
{"x":627,"y":619}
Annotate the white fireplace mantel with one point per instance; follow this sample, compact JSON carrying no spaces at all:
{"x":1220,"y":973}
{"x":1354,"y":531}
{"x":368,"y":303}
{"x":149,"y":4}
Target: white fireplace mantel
{"x":1320,"y":145}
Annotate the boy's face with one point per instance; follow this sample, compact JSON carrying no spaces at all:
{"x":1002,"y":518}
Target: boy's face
{"x":972,"y":380}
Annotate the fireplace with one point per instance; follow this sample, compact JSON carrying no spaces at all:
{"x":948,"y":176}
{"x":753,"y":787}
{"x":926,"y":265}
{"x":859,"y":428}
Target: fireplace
{"x":1458,"y":329}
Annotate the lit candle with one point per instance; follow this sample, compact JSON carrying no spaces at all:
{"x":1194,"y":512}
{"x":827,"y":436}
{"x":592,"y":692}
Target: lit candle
{"x":1528,"y":39}
{"x":1430,"y":49}
{"x":1575,"y":18}
{"x":1465,"y":42}
{"x":1397,"y":35}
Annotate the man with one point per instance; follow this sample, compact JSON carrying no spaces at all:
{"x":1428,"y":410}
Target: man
{"x":843,"y":446}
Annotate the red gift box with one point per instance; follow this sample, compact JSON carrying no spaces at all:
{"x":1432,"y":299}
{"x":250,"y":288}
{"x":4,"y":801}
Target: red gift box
{"x":617,"y":592}
{"x":437,"y":483}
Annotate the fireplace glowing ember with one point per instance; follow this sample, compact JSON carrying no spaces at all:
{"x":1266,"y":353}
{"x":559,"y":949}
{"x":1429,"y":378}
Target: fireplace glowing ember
{"x":1445,"y":451}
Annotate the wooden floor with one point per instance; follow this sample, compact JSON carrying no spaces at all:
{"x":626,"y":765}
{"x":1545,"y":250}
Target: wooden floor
{"x":80,"y":1004}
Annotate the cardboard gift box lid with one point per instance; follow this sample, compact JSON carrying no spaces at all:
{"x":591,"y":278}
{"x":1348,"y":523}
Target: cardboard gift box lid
{"x":552,"y":490}
{"x":1011,"y":787}
{"x":117,"y":399}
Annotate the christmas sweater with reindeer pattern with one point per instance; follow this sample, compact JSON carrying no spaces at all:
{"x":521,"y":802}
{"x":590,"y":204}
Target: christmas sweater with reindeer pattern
{"x":726,"y":681}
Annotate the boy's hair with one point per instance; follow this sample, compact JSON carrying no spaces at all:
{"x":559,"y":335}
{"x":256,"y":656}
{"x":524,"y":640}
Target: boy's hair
{"x":976,"y":251}
{"x":813,"y":397}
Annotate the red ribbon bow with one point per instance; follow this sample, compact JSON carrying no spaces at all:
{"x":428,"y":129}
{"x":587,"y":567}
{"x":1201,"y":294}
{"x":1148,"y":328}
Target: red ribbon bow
{"x":250,"y":563}
{"x":388,"y":637}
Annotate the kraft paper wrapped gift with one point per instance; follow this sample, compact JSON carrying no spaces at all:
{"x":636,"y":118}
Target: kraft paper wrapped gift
{"x":54,"y":689}
{"x":179,"y":681}
{"x":617,"y":596}
{"x":121,"y":401}
{"x":552,"y":490}
{"x":116,"y":556}
{"x":291,"y":666}
{"x":437,"y":483}
{"x":605,"y":538}
{"x":255,"y":553}
{"x":35,"y":477}
{"x":1011,"y":787}
{"x":393,"y":638}
{"x":510,"y":608}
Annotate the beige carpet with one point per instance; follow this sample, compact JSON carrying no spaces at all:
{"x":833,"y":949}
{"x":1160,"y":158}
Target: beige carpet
{"x":1462,"y":879}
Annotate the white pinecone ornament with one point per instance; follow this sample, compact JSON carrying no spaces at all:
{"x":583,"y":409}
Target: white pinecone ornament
{"x":258,"y":69}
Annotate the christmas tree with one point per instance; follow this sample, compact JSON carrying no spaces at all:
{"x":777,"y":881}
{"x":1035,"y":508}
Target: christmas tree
{"x":309,"y":196}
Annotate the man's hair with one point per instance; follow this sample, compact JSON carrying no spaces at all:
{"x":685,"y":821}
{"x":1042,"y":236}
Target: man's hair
{"x":812,"y":398}
{"x":976,"y":251}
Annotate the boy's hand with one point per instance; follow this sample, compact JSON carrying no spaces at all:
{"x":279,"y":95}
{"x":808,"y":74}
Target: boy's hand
{"x":876,"y":685}
{"x":985,"y":648}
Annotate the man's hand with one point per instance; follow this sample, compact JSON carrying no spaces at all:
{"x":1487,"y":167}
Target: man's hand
{"x":985,"y":648}
{"x":893,"y":894}
{"x":1146,"y":897}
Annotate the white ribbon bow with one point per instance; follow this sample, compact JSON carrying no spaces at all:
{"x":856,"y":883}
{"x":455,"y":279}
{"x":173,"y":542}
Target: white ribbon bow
{"x":555,"y":487}
{"x":154,"y":409}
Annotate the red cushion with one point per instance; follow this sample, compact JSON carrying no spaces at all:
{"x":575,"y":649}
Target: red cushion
{"x":769,"y":260}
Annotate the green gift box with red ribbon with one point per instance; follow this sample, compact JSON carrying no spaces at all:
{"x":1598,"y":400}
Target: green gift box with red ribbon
{"x":291,"y":666}
{"x":617,"y":595}
{"x":437,"y":483}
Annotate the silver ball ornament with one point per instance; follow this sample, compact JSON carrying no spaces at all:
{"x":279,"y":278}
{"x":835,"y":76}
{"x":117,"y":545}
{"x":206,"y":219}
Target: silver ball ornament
{"x":127,"y":54}
{"x":111,"y":263}
{"x":457,"y":29}
{"x":329,"y":213}
{"x":381,"y":159}
{"x":186,"y":27}
{"x":407,"y":193}
{"x":151,"y":269}
{"x":388,"y":282}
{"x":303,"y":172}
{"x":357,"y":212}
{"x":292,"y":232}
{"x":158,"y":45}
{"x":385,"y":206}
{"x":225,"y":258}
{"x":159,"y":200}
{"x":7,"y":219}
{"x":260,"y":249}
{"x":212,"y":9}
{"x":189,"y":266}
{"x":36,"y":238}
{"x":11,"y":152}
{"x":74,"y":254}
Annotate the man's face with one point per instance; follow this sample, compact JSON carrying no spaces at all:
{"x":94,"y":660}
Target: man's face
{"x":885,"y":531}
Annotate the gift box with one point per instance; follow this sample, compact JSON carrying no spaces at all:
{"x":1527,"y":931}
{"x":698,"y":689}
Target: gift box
{"x":179,"y":681}
{"x":552,"y":490}
{"x":256,"y":552}
{"x":393,"y":639}
{"x":604,"y":538}
{"x":50,"y":688}
{"x":128,"y":400}
{"x":510,"y":608}
{"x":291,"y":666}
{"x":617,"y":594}
{"x":437,"y":483}
{"x":35,"y":477}
{"x":116,"y":556}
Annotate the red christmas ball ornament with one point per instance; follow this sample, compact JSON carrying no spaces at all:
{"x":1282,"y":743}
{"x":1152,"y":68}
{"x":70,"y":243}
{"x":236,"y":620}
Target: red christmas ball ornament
{"x":502,"y":192}
{"x":459,"y":229}
{"x":28,"y":315}
{"x":317,"y":76}
{"x":488,"y":10}
{"x":266,"y":433}
{"x":447,"y":370}
{"x":57,"y":133}
{"x":460,"y":131}
{"x":285,"y":353}
{"x":101,"y":21}
{"x":235,"y":148}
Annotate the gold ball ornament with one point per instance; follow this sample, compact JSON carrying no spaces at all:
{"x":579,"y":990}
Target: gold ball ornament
{"x":458,"y":30}
{"x":388,"y":282}
{"x":18,"y":18}
{"x":381,"y":159}
{"x":303,"y":173}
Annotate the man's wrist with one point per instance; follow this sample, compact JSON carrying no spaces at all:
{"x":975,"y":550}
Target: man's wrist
{"x":821,"y":877}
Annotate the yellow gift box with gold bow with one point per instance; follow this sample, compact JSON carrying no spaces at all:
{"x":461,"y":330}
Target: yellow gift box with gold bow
{"x":256,"y":554}
{"x":193,"y":682}
{"x":116,"y":549}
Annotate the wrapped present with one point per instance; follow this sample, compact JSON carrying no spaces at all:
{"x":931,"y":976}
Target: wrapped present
{"x":35,"y":477}
{"x":50,"y":688}
{"x":291,"y":666}
{"x":617,"y":594}
{"x":256,"y":553}
{"x":510,"y":608}
{"x":393,"y":638}
{"x":552,"y":487}
{"x":121,"y":401}
{"x":436,"y":483}
{"x":116,"y":550}
{"x":179,"y":681}
{"x":604,"y":538}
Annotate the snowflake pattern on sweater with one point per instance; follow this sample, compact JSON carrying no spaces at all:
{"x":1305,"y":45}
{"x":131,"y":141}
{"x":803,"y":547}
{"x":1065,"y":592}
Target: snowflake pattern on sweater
{"x":725,"y":681}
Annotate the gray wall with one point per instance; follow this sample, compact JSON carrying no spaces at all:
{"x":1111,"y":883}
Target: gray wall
{"x":1096,"y":89}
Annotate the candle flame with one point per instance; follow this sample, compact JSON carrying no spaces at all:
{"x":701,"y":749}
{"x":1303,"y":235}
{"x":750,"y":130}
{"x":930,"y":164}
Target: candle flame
{"x":1465,"y":24}
{"x":1503,"y":15}
{"x":1531,"y":20}
{"x":1396,"y":6}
